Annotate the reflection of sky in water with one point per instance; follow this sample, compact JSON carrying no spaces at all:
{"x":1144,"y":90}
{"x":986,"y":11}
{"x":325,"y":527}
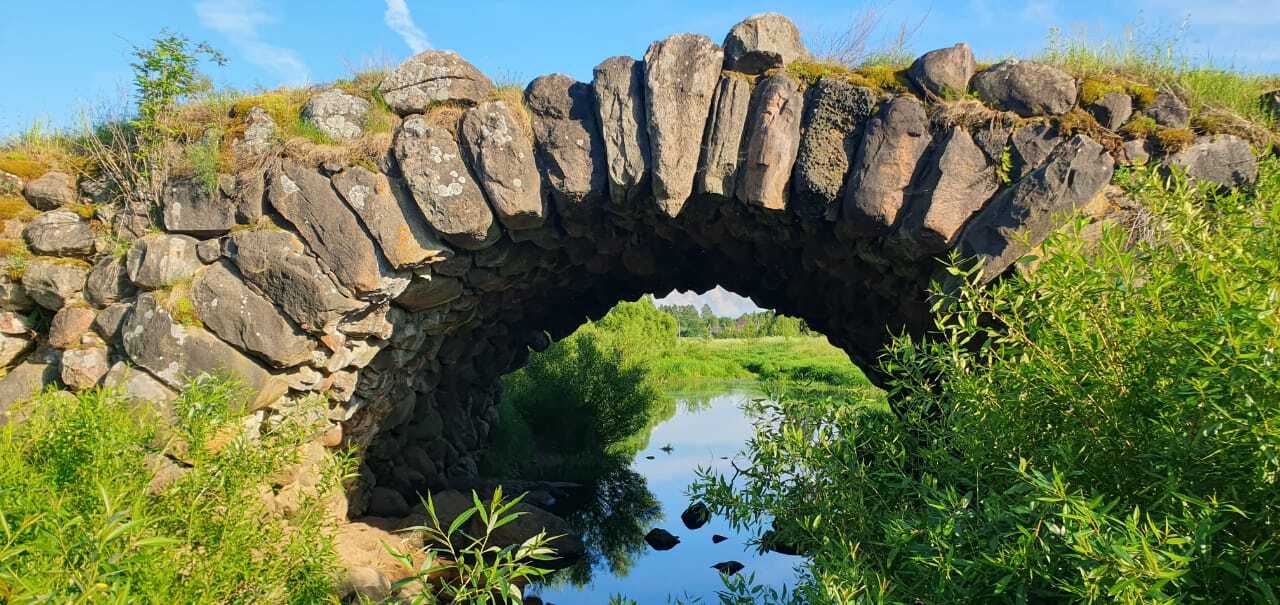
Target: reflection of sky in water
{"x":698,"y":438}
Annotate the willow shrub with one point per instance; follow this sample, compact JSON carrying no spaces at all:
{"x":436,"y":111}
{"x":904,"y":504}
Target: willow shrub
{"x":1105,"y":429}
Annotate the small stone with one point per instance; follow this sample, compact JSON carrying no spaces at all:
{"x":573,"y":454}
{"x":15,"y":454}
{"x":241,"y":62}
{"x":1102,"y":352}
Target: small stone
{"x":25,"y":380}
{"x":53,"y":284}
{"x":1112,"y":110}
{"x":259,"y":132}
{"x":68,"y":325}
{"x":717,"y":538}
{"x":696,"y":515}
{"x":108,"y":282}
{"x":944,"y":72}
{"x":50,"y":191}
{"x":16,"y":338}
{"x":160,"y":260}
{"x":209,"y":251}
{"x":108,"y":321}
{"x":1027,"y":88}
{"x":434,"y":76}
{"x":1168,"y":110}
{"x":660,"y":539}
{"x":59,"y":233}
{"x":1224,"y":159}
{"x":138,"y":385}
{"x":192,"y":207}
{"x":340,"y":116}
{"x":763,"y":42}
{"x":364,"y":585}
{"x":728,"y":568}
{"x":84,"y":368}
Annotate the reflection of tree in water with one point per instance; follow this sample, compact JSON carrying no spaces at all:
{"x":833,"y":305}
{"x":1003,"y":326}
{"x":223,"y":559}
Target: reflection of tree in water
{"x":613,"y":515}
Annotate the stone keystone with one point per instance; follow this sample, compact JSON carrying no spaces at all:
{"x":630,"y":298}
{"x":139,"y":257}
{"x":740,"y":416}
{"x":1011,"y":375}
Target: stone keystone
{"x":773,"y":143}
{"x":681,"y":73}
{"x":434,"y":76}
{"x":763,"y":42}
{"x":570,"y":150}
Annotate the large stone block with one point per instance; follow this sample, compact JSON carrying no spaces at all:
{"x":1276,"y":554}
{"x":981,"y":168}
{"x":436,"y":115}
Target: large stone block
{"x":160,"y":260}
{"x":240,"y":316}
{"x":763,"y":42}
{"x":569,"y":147}
{"x":501,"y":156}
{"x":726,"y":126}
{"x":834,"y":115}
{"x":772,"y":143}
{"x":59,"y":233}
{"x":431,"y":77}
{"x":51,"y":190}
{"x":388,"y":211}
{"x":944,"y":72}
{"x":619,"y":91}
{"x":958,"y":182}
{"x":446,"y":194}
{"x":53,"y":284}
{"x":887,"y":162}
{"x":192,"y":207}
{"x":276,"y":263}
{"x":681,"y":73}
{"x":1027,"y":88}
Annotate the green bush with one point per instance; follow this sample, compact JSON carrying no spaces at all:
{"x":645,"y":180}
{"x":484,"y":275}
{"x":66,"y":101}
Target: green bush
{"x":1103,"y":430}
{"x":79,"y":524}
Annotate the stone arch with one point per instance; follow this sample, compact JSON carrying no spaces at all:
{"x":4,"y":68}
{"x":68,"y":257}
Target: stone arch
{"x":492,"y":227}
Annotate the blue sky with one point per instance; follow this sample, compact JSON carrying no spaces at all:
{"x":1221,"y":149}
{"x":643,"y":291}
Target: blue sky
{"x":63,"y":56}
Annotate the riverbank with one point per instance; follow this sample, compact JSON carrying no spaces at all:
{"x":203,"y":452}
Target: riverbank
{"x":803,"y":360}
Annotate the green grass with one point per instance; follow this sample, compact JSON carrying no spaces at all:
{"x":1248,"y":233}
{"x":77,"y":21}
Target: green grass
{"x":78,"y":523}
{"x":800,"y":359}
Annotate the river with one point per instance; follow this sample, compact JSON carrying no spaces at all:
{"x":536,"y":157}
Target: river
{"x":707,"y":431}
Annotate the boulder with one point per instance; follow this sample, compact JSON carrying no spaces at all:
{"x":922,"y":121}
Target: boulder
{"x":569,"y":147}
{"x":431,"y":77}
{"x":16,"y":337}
{"x":429,"y":291}
{"x":886,"y":163}
{"x":834,"y":114}
{"x":59,"y":233}
{"x":307,"y":200}
{"x":728,"y":568}
{"x":696,"y":515}
{"x":618,"y":85}
{"x":277,"y":265}
{"x":68,"y":325}
{"x":532,"y":520}
{"x":108,"y":282}
{"x":51,"y":190}
{"x":52,"y":283}
{"x":340,"y":116}
{"x":944,"y":72}
{"x":1023,"y":215}
{"x":1224,"y":159}
{"x":726,"y":126}
{"x":1168,"y":110}
{"x":958,"y":182}
{"x":681,"y":73}
{"x":1027,"y":88}
{"x":84,"y":368}
{"x":240,"y":316}
{"x":190,"y":206}
{"x":160,"y":260}
{"x":500,"y":153}
{"x":24,"y":380}
{"x":364,"y":585}
{"x":390,"y":215}
{"x":108,"y":321}
{"x":175,"y":353}
{"x":1112,"y":110}
{"x":442,"y":186}
{"x":660,"y":539}
{"x":13,"y":295}
{"x":1032,"y":146}
{"x":772,"y":143}
{"x":763,"y":42}
{"x":138,"y":385}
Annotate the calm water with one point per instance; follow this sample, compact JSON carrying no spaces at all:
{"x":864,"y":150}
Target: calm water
{"x":707,"y":431}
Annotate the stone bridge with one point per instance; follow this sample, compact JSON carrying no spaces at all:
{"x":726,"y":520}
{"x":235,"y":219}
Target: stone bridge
{"x":405,"y":289}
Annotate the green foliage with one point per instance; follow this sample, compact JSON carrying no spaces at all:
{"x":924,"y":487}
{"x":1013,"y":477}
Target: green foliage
{"x":1103,"y":430}
{"x":204,"y":156}
{"x":461,"y":568}
{"x":167,"y":72}
{"x":805,"y":360}
{"x":1004,"y":168}
{"x":704,"y":323}
{"x":79,"y":524}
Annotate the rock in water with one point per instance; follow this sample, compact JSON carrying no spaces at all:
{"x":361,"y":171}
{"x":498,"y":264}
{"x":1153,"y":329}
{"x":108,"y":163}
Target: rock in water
{"x":717,"y":538}
{"x":661,"y":539}
{"x":696,"y":515}
{"x":728,"y":568}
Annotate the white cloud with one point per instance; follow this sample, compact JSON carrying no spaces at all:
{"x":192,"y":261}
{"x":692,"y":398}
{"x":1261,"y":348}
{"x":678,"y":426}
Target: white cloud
{"x":401,"y":22}
{"x":241,"y":21}
{"x":723,"y":302}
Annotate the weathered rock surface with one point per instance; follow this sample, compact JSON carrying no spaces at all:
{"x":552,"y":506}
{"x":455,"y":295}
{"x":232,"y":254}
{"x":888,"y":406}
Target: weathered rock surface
{"x":1112,"y":110}
{"x":434,"y":76}
{"x":618,"y":85}
{"x":944,"y":72}
{"x":726,"y":126}
{"x":441,"y":184}
{"x":108,"y":282}
{"x":160,"y":260}
{"x":1223,"y":159}
{"x":275,"y":262}
{"x":84,"y":368}
{"x":500,"y":153}
{"x":430,"y":291}
{"x":1022,"y":216}
{"x":1032,"y":145}
{"x":59,"y":233}
{"x":16,"y":337}
{"x":191,"y":207}
{"x":247,"y":320}
{"x":13,"y":295}
{"x":772,"y":144}
{"x":138,"y":385}
{"x":68,"y":325}
{"x":52,"y":283}
{"x":957,"y":184}
{"x":175,"y":353}
{"x":388,"y":211}
{"x":24,"y":380}
{"x":259,"y":132}
{"x":681,"y":73}
{"x":763,"y":42}
{"x":834,"y":114}
{"x":51,"y":190}
{"x":1027,"y":88}
{"x":338,"y":115}
{"x":108,"y":321}
{"x":307,"y":200}
{"x":887,"y":160}
{"x":569,"y":147}
{"x":1168,"y":110}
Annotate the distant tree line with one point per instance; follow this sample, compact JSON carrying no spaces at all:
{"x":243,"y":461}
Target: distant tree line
{"x":704,"y":323}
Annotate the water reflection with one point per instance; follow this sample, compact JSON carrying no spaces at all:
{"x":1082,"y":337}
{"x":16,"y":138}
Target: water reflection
{"x":612,"y":519}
